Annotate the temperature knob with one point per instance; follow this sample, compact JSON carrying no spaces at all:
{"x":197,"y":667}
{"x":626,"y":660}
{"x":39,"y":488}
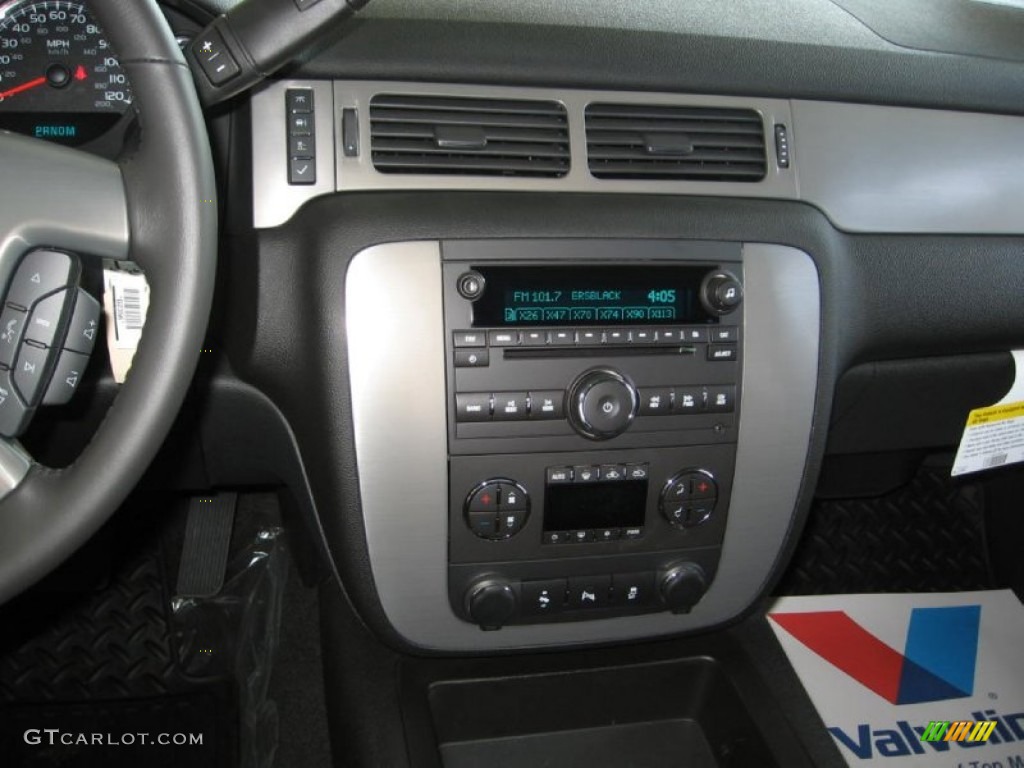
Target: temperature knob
{"x":603,"y":403}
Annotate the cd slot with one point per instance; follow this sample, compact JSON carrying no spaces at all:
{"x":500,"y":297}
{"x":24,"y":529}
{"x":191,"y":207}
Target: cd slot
{"x":533,"y":353}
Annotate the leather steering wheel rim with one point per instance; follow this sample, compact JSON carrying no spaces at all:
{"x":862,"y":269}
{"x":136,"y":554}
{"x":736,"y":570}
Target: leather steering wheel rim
{"x":168,"y":217}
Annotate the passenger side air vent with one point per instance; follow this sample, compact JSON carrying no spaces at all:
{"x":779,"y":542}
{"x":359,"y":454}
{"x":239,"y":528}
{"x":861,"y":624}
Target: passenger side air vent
{"x":468,"y":136}
{"x":633,"y":141}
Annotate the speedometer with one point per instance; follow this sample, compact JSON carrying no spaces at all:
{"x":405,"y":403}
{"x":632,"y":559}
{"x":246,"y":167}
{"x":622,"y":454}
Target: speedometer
{"x":59,"y":80}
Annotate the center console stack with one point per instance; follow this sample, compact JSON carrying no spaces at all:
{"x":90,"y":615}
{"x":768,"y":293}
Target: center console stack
{"x":592,"y":426}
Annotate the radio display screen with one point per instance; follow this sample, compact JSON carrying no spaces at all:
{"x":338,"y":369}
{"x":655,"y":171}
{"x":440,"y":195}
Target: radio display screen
{"x":576,"y":506}
{"x":590,"y":295}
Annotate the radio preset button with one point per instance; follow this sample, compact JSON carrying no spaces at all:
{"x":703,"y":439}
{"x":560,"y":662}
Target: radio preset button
{"x":643,"y":336}
{"x":655,"y":401}
{"x":689,"y":399}
{"x":470,"y":339}
{"x":503,"y":338}
{"x":510,"y":406}
{"x":535,"y":338}
{"x":616,"y":337}
{"x":472,"y":406}
{"x":547,"y":405}
{"x":589,"y":338}
{"x":557,"y":475}
{"x":563,"y":338}
{"x":472,"y":357}
{"x":696,"y":335}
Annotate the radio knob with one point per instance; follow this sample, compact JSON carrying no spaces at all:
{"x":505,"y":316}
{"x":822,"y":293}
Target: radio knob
{"x":603,"y":403}
{"x":683,"y":587}
{"x":721,"y":293}
{"x":491,"y":603}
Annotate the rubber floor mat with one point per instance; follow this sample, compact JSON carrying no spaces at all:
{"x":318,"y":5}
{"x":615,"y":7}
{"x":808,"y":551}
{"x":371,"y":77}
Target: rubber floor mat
{"x":928,"y":536}
{"x":102,"y":665}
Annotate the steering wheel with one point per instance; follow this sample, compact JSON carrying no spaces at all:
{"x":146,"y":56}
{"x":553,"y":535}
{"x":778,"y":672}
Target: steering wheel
{"x":156,"y":206}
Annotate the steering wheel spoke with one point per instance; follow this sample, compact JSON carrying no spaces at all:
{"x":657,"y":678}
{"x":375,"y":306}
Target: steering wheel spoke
{"x":60,"y":198}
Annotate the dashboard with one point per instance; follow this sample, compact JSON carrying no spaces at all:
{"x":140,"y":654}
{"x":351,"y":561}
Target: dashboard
{"x":549,"y":315}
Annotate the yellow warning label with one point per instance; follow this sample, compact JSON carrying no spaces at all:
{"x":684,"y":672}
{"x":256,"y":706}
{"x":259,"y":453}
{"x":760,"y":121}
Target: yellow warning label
{"x":995,"y":413}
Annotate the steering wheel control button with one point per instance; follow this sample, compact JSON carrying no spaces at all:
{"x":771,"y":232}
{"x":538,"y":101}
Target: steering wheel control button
{"x":39,"y":274}
{"x":604,"y":404}
{"x":540,"y":597}
{"x":67,"y":377}
{"x":214,"y":57}
{"x":470,"y":285}
{"x":589,"y":591}
{"x":472,"y":406}
{"x":721,"y":399}
{"x":629,"y":589}
{"x":655,"y":401}
{"x":547,"y":405}
{"x":30,"y":370}
{"x":44,"y":322}
{"x":12,"y":325}
{"x":85,"y":324}
{"x":510,"y":406}
{"x":470,"y":357}
{"x":13,"y":411}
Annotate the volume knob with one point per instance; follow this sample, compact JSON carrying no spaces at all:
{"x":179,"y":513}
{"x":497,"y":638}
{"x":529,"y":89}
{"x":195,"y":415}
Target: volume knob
{"x":602,"y":404}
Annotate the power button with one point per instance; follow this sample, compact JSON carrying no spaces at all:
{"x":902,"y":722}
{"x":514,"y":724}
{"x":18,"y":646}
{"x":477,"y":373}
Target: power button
{"x":470,"y":285}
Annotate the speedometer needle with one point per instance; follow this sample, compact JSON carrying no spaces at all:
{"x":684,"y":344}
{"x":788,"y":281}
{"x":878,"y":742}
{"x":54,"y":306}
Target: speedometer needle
{"x":23,"y":87}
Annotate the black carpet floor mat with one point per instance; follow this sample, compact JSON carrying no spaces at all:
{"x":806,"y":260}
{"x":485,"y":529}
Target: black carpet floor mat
{"x":928,"y":536}
{"x":87,"y":668}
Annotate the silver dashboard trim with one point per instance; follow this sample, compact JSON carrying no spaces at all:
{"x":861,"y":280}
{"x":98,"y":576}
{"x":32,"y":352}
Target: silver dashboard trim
{"x":274,"y":202}
{"x":15,"y":464}
{"x":399,"y":405}
{"x":868,"y":168}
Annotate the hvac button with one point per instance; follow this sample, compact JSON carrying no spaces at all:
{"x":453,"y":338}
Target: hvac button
{"x":587,"y":474}
{"x":485,"y":498}
{"x":632,"y":588}
{"x":512,"y":498}
{"x":483,"y":524}
{"x":612,"y":472}
{"x":558,"y":475}
{"x":541,"y":597}
{"x":589,"y":591}
{"x":510,"y":523}
{"x":637,"y":471}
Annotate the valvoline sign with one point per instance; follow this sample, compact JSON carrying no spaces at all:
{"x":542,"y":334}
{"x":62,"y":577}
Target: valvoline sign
{"x":882,"y":669}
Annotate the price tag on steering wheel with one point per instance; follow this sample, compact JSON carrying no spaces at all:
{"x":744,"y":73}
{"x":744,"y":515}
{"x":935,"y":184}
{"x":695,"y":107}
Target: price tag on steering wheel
{"x":994,"y":436}
{"x":125,"y":302}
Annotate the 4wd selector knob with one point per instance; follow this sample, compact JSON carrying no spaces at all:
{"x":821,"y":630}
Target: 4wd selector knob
{"x":602,"y":403}
{"x":721,"y":293}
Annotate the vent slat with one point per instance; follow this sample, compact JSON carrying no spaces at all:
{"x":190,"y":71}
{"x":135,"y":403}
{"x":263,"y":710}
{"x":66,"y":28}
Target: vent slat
{"x":497,"y":148}
{"x":626,"y":141}
{"x":470,"y":163}
{"x":413,"y":134}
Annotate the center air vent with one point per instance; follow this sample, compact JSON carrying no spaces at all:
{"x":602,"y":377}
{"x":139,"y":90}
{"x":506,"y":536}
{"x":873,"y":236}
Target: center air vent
{"x":633,"y":141}
{"x":475,"y":137}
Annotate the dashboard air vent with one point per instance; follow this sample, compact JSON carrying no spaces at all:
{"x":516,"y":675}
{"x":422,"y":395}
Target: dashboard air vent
{"x":468,"y":136}
{"x":634,"y":141}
